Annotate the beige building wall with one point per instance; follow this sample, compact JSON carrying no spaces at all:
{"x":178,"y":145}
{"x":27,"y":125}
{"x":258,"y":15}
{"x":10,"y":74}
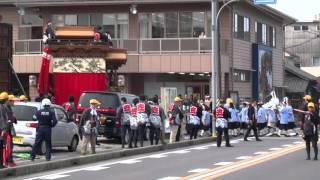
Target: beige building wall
{"x":10,"y":16}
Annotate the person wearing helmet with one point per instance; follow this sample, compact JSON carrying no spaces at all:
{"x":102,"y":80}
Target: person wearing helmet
{"x":304,"y":106}
{"x":177,"y":117}
{"x":3,"y":125}
{"x":11,"y":131}
{"x":23,"y":98}
{"x":89,"y":126}
{"x":310,"y":130}
{"x":46,"y":121}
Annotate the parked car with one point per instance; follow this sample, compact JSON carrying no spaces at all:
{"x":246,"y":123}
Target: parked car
{"x":64,"y":134}
{"x":110,"y":102}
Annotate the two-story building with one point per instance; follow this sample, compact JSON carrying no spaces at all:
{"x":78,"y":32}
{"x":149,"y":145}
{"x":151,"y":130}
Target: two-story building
{"x":303,"y":40}
{"x":164,"y":42}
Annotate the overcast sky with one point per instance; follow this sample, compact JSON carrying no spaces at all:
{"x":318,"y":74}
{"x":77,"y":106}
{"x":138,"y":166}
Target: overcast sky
{"x":303,"y":10}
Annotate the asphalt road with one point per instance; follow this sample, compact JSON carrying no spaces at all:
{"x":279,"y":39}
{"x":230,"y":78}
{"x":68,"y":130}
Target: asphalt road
{"x":273,"y":158}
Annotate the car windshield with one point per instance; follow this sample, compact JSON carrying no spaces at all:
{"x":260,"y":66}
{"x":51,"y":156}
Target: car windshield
{"x":24,"y":113}
{"x":106,"y":100}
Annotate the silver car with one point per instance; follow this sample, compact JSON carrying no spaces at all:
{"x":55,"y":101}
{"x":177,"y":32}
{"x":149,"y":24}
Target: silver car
{"x":64,"y":134}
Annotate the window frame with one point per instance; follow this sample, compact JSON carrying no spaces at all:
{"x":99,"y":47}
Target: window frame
{"x":295,"y":28}
{"x":306,"y":28}
{"x":316,"y":58}
{"x":241,"y":27}
{"x":243,"y":76}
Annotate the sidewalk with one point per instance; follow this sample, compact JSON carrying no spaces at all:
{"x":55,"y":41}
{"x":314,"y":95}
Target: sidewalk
{"x":62,"y":158}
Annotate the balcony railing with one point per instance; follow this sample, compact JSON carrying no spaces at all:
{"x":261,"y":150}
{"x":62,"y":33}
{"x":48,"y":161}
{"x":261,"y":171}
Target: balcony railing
{"x":135,"y":46}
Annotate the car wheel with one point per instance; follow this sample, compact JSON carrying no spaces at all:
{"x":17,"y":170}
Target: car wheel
{"x":74,"y":144}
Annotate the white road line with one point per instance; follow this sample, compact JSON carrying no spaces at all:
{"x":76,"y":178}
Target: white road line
{"x":95,"y":168}
{"x":55,"y":177}
{"x":198,"y":170}
{"x":298,"y":142}
{"x":201,"y":148}
{"x":129,"y":161}
{"x":287,"y":145}
{"x":235,"y":141}
{"x":180,"y":152}
{"x":183,"y":151}
{"x":223,"y":163}
{"x":158,"y":156}
{"x":244,"y":157}
{"x":170,"y":178}
{"x":275,"y":149}
{"x":260,"y":153}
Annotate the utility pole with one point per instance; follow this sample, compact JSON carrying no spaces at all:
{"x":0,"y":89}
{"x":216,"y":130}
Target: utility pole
{"x":214,"y":58}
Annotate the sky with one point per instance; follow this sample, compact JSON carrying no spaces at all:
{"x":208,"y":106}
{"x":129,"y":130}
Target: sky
{"x":303,"y":10}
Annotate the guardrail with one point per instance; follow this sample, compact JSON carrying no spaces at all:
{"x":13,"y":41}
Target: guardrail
{"x":134,"y":46}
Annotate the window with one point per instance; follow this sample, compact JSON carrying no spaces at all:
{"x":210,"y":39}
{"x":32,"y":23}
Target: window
{"x":122,"y":26}
{"x":272,"y":37}
{"x":95,"y":19}
{"x":174,"y":24}
{"x":316,"y":61}
{"x":83,"y":19}
{"x":305,"y":28}
{"x":297,"y":28}
{"x":241,"y":27}
{"x":265,"y":34}
{"x":144,"y":23}
{"x":241,"y":75}
{"x":58,"y":20}
{"x":108,"y":23}
{"x":71,"y":20}
{"x":158,"y":25}
{"x":318,"y":28}
{"x":198,"y":23}
{"x":171,"y":19}
{"x":185,"y":22}
{"x":31,"y":27}
{"x":116,"y":24}
{"x":208,"y":16}
{"x":61,"y":115}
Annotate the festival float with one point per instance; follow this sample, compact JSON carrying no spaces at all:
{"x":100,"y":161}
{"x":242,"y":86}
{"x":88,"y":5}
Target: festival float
{"x":79,"y":63}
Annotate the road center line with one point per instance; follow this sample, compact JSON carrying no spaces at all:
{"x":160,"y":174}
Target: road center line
{"x":220,"y":171}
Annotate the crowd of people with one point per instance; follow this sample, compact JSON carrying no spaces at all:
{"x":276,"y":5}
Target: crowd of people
{"x":7,"y":119}
{"x":186,"y":117}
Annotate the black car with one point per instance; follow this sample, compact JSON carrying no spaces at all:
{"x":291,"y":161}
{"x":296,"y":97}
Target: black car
{"x":110,"y":102}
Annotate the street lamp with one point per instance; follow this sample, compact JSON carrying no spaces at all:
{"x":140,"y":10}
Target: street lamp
{"x":215,"y":62}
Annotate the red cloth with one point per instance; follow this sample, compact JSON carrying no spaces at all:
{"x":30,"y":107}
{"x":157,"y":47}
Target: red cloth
{"x":43,"y":82}
{"x":7,"y":149}
{"x":73,"y":84}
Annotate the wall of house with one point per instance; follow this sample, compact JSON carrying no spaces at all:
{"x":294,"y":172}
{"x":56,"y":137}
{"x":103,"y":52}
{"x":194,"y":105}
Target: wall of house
{"x":242,"y":51}
{"x":10,"y":16}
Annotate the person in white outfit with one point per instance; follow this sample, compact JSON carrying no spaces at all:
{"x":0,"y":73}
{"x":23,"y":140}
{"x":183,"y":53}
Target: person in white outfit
{"x":261,"y":119}
{"x":244,"y":117}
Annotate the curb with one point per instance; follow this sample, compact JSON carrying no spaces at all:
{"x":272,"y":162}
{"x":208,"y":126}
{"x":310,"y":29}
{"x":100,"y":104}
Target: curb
{"x":81,"y":160}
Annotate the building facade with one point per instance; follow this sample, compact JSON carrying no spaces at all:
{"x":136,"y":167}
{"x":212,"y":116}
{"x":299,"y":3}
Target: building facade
{"x":303,"y":39}
{"x":168,"y":43}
